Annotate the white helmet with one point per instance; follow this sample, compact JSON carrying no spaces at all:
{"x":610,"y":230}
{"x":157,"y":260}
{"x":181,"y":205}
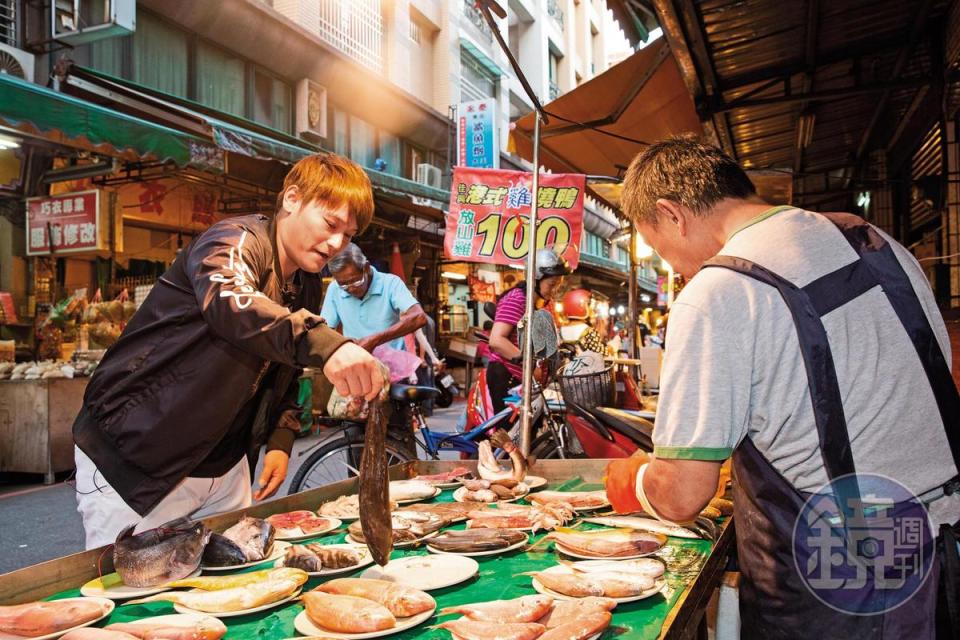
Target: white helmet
{"x":550,"y":263}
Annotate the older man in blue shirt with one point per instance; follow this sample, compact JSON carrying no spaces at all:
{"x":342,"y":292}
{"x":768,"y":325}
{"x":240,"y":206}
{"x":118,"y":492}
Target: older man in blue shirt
{"x":373,"y":308}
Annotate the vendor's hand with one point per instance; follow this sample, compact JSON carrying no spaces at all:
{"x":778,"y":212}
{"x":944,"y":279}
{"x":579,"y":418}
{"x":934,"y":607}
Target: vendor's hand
{"x":368,"y":343}
{"x":274,"y":472}
{"x":620,"y":479}
{"x":354,"y":372}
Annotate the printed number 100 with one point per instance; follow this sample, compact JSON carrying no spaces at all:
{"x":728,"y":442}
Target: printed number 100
{"x":551,"y":231}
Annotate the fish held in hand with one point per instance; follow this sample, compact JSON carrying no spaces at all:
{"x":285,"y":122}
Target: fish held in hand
{"x":206,"y":628}
{"x":467,"y":629}
{"x":375,"y":487}
{"x":566,"y":611}
{"x":40,"y":618}
{"x":580,"y":629}
{"x":347,"y":614}
{"x":615,"y":543}
{"x":644,"y":524}
{"x":227,"y":600}
{"x":522,"y":609}
{"x":400,"y":600}
{"x":169,"y":552}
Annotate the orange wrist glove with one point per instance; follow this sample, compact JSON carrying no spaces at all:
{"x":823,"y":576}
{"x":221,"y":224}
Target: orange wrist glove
{"x":620,"y":479}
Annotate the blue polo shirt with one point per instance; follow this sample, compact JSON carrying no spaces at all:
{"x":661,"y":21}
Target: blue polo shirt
{"x":380,"y":308}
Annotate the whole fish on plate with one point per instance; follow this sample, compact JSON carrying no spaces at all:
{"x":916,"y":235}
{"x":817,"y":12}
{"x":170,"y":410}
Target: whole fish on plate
{"x":522,"y":609}
{"x":467,"y":629}
{"x":347,"y":614}
{"x":565,"y":611}
{"x":315,"y":557}
{"x":649,"y":567}
{"x":615,"y":543}
{"x":411,"y":490}
{"x":375,"y":487}
{"x":216,"y":583}
{"x":41,"y":618}
{"x":584,"y":627}
{"x":576,"y":499}
{"x":580,"y":585}
{"x":443,"y":478}
{"x":227,"y":600}
{"x":254,"y":536}
{"x":205,"y":628}
{"x":638,"y":523}
{"x":473,"y":540}
{"x":400,"y":600}
{"x":169,"y":552}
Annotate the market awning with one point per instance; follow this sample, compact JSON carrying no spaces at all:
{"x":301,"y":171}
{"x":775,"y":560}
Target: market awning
{"x":636,"y":102}
{"x":40,"y":112}
{"x":479,"y":54}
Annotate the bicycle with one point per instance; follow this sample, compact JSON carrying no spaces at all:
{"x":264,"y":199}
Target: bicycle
{"x":332,"y":459}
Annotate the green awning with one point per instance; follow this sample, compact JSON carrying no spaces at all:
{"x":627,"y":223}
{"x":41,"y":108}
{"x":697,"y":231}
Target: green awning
{"x":484,"y":59}
{"x":229,"y":132}
{"x":389,"y":183}
{"x":37,"y":111}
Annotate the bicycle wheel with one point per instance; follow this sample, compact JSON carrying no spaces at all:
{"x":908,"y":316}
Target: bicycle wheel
{"x":329,"y":463}
{"x":546,"y":447}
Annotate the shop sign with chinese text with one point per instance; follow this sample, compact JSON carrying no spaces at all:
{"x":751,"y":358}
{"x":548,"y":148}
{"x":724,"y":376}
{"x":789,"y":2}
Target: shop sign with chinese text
{"x":490,"y":209}
{"x":65,"y":223}
{"x":477,"y":134}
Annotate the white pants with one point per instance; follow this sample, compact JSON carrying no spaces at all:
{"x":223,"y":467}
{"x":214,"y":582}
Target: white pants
{"x":105,"y":514}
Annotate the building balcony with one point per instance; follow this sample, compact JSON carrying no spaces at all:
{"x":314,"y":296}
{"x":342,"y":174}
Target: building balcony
{"x":354,"y":27}
{"x":554,"y":91}
{"x":555,"y":12}
{"x":476,"y":18}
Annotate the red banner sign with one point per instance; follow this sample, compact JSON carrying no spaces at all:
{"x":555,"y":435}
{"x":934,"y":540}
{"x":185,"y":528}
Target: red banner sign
{"x":490,"y":209}
{"x":66,"y":223}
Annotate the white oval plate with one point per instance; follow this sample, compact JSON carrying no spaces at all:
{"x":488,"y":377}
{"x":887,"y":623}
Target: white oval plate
{"x":94,"y":589}
{"x":279,"y":550}
{"x":230,"y":614}
{"x":57,"y":634}
{"x":426,"y":573}
{"x":304,"y":625}
{"x":658,"y":586}
{"x":453,"y":484}
{"x":492,"y":552}
{"x":576,"y":554}
{"x":365,"y":559}
{"x":334,"y":523}
{"x":535,"y":482}
{"x":399,"y":545}
{"x":459,"y":493}
{"x":437,"y":491}
{"x":625,"y":566}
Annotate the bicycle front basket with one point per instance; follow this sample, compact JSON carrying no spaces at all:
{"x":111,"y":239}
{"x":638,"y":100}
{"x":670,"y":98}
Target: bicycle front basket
{"x":589,"y":389}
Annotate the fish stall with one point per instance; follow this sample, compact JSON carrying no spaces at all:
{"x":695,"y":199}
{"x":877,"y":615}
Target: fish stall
{"x":543,"y":558}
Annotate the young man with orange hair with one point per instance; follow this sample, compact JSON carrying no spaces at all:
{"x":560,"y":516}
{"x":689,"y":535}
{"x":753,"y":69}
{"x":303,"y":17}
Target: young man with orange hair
{"x":204,"y":374}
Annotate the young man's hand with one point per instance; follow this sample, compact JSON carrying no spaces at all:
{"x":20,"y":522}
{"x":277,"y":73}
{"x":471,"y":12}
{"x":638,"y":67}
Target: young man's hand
{"x":274,"y":472}
{"x":354,"y":372}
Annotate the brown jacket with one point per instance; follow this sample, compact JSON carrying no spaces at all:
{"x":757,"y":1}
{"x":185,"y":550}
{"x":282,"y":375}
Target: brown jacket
{"x":194,"y":353}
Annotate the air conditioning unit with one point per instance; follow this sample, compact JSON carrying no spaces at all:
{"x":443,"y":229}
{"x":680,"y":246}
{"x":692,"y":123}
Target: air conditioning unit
{"x":16,"y":62}
{"x":429,"y":175}
{"x":311,"y":117}
{"x":76,"y":22}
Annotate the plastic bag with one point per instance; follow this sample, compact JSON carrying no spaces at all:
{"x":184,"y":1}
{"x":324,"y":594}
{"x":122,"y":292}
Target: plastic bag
{"x":402,"y":364}
{"x":354,"y":408}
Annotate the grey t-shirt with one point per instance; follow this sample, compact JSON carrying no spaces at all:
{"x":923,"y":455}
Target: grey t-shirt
{"x":733,"y":368}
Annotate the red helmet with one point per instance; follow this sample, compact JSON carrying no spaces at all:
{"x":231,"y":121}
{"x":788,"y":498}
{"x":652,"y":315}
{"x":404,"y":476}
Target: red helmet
{"x":576,"y":304}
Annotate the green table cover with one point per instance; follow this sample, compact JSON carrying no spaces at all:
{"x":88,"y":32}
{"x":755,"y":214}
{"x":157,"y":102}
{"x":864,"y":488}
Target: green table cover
{"x":499,"y":578}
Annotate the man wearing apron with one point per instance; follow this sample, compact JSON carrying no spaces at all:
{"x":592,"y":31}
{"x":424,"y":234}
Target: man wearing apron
{"x":809,"y":348}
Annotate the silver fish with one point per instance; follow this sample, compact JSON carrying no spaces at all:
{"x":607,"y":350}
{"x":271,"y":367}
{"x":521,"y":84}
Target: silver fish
{"x":156,"y":556}
{"x":254,"y":536}
{"x":644,"y":524}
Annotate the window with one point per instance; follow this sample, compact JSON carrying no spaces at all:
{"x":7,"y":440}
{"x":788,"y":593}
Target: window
{"x":390,"y":152}
{"x":8,"y":22}
{"x":340,"y":135}
{"x":415,"y":156}
{"x":477,"y":82}
{"x":421,"y":58}
{"x":416,"y":31}
{"x":220,"y":80}
{"x":160,"y":56}
{"x":272,"y":100}
{"x":362,"y":142}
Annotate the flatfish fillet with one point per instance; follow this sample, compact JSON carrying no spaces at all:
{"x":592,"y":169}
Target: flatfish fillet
{"x":375,"y":487}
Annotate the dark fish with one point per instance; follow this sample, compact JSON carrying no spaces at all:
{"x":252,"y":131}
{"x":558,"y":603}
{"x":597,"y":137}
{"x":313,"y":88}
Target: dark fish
{"x":254,"y":536}
{"x":375,"y":487}
{"x":300,"y":557}
{"x":473,"y":540}
{"x":223,"y":552}
{"x":154,"y":557}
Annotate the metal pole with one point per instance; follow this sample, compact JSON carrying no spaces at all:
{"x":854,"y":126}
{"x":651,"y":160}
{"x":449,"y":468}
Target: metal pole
{"x":632,"y":295}
{"x":527,"y":413}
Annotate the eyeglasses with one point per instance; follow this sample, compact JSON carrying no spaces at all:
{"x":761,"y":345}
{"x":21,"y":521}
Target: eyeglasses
{"x":355,"y":285}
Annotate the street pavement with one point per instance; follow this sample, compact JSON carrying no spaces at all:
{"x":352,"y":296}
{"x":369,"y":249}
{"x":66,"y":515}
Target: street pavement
{"x":39,"y":523}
